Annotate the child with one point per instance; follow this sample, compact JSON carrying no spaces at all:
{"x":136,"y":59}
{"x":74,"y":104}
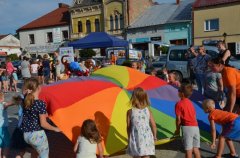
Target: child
{"x":89,"y":141}
{"x":4,"y":133}
{"x":213,"y":88}
{"x":186,"y":117}
{"x":231,"y":127}
{"x":174,"y":79}
{"x":141,"y":135}
{"x":15,"y":80}
{"x":35,"y":119}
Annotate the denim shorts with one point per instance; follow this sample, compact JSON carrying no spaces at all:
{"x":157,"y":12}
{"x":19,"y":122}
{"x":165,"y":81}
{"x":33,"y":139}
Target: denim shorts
{"x":38,"y":140}
{"x":4,"y":137}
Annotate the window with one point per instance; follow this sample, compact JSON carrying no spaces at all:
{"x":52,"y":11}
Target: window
{"x":31,"y":39}
{"x":111,"y":23}
{"x":116,"y":22}
{"x":88,"y":26}
{"x":178,"y":55}
{"x":211,"y":25}
{"x":97,"y":25}
{"x":49,"y":37}
{"x":65,"y":35}
{"x":80,"y":29}
{"x":121,"y":22}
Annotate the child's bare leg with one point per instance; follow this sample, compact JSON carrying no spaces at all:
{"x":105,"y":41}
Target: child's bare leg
{"x":220,"y":146}
{"x":196,"y":153}
{"x":189,"y":153}
{"x":231,"y":147}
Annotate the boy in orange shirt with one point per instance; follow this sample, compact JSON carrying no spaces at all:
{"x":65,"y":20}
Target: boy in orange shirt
{"x":231,"y":127}
{"x":186,"y":118}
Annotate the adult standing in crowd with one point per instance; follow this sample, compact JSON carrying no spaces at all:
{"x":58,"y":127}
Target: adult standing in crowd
{"x":224,"y":53}
{"x":200,"y":67}
{"x":192,"y":53}
{"x":231,"y":81}
{"x":57,"y":61}
{"x":10,"y":69}
{"x":25,"y":68}
{"x":34,"y":69}
{"x":46,"y":68}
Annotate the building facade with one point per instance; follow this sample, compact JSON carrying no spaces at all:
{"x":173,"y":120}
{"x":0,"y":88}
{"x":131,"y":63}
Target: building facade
{"x":9,"y":45}
{"x":162,"y":24}
{"x":111,"y":16}
{"x":217,"y":20}
{"x":47,"y":33}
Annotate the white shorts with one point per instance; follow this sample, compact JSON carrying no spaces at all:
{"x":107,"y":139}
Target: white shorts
{"x":191,"y":137}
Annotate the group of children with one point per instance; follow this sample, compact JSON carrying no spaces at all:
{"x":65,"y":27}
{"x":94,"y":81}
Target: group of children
{"x":141,"y":127}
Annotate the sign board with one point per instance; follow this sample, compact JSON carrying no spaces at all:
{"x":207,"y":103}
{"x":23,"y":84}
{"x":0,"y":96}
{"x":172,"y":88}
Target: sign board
{"x":238,"y":48}
{"x":135,"y":54}
{"x":159,"y":38}
{"x":57,"y":35}
{"x":67,"y":51}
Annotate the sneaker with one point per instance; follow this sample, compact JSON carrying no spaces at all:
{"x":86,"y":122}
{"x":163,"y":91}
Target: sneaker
{"x":235,"y":156}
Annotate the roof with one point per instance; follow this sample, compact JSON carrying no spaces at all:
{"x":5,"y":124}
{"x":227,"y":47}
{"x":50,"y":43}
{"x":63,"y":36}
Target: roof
{"x":165,"y":13}
{"x":155,"y":15}
{"x":83,"y":3}
{"x":183,"y":12}
{"x":57,"y":17}
{"x":3,"y":36}
{"x":207,"y":3}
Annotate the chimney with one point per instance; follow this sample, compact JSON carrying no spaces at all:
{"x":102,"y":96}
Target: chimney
{"x":62,"y":5}
{"x":177,"y":2}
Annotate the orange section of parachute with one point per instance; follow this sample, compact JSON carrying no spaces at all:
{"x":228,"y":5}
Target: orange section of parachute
{"x":55,"y":95}
{"x":135,"y":78}
{"x":98,"y":107}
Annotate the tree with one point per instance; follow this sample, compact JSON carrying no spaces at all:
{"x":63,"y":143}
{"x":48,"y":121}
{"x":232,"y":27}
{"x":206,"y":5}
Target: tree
{"x":13,"y":57}
{"x":87,"y":53}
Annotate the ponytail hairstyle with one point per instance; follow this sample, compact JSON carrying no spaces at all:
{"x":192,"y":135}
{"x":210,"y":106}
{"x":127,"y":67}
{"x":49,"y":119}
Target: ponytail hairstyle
{"x":30,"y":86}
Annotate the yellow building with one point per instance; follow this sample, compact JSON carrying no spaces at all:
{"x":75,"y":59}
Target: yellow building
{"x":215,"y":20}
{"x":111,"y":16}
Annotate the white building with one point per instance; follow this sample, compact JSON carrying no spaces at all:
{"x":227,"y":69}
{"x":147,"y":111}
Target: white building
{"x":47,"y":33}
{"x":9,"y":45}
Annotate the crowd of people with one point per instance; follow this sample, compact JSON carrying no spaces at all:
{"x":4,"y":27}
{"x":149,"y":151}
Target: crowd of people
{"x":215,"y":79}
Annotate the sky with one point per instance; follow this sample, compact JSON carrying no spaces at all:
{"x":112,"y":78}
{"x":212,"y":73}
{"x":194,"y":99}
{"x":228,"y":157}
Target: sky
{"x":16,"y":13}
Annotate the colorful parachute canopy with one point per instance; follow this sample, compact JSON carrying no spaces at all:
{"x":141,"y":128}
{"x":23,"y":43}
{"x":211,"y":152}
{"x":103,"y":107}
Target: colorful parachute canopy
{"x":104,"y":97}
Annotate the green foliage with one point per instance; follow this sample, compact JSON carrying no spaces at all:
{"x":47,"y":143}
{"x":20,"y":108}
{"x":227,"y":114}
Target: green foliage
{"x":164,"y":49}
{"x":127,"y":63}
{"x":87,"y":53}
{"x":13,"y":57}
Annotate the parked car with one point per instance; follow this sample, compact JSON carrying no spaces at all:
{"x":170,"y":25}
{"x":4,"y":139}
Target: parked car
{"x":178,"y":61}
{"x":234,"y":62}
{"x":157,"y":64}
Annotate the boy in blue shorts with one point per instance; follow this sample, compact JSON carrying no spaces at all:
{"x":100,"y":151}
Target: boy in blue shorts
{"x":186,"y":118}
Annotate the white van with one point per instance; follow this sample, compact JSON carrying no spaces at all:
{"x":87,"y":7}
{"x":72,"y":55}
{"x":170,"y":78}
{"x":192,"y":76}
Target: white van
{"x":177,"y":59}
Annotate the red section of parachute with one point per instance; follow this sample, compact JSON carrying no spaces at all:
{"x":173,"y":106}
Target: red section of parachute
{"x":68,"y":93}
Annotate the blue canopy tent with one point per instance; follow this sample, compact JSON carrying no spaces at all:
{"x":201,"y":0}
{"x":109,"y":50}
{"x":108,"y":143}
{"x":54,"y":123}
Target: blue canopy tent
{"x":98,"y":40}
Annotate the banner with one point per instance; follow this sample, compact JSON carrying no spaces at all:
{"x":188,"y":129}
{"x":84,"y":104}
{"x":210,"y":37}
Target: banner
{"x":57,"y":35}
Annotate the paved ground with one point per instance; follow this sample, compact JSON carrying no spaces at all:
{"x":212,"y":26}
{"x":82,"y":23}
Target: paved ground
{"x":61,"y":147}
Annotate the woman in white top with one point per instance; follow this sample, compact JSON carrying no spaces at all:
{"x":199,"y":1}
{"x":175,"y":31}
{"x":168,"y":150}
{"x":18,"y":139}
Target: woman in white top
{"x":34,"y":69}
{"x":89,"y":141}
